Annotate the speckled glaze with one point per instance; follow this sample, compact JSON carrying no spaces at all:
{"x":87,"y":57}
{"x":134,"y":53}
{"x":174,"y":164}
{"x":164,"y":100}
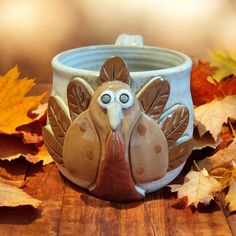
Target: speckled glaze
{"x":144,"y":64}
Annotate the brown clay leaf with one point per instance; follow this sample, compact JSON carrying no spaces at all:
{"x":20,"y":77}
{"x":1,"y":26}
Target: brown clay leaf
{"x":174,"y":123}
{"x":114,"y":68}
{"x":14,"y":104}
{"x":153,"y":97}
{"x":12,"y":196}
{"x":198,"y":187}
{"x":179,"y":153}
{"x":79,"y":94}
{"x":52,"y":144}
{"x":58,"y":118}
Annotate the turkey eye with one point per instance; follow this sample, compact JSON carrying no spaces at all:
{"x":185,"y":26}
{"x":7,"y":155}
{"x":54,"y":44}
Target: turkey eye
{"x":106,"y":98}
{"x":124,"y":98}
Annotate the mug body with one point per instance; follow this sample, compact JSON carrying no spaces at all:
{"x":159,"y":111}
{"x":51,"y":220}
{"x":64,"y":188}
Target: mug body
{"x":145,"y":64}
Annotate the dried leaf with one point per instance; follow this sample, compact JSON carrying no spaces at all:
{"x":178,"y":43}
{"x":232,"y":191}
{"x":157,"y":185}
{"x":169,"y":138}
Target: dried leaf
{"x":223,"y":175}
{"x":205,"y":89}
{"x":205,"y":141}
{"x":198,"y":187}
{"x":231,"y":195}
{"x":201,"y":89}
{"x":222,"y":158}
{"x":16,"y":183}
{"x":13,"y":196}
{"x":211,"y":116}
{"x":41,"y":155}
{"x":225,"y":62}
{"x":12,"y":147}
{"x":14,"y":103}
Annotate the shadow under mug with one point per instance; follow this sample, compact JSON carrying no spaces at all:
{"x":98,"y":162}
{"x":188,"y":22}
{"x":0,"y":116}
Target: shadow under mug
{"x":120,"y":117}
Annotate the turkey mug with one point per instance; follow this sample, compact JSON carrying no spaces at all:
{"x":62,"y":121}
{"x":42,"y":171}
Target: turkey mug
{"x":120,"y":117}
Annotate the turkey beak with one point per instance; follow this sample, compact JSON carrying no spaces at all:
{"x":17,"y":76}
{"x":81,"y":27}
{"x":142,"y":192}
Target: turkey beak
{"x":115,"y":115}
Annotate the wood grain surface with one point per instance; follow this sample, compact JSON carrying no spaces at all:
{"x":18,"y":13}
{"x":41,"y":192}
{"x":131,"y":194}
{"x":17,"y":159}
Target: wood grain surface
{"x":69,"y":210}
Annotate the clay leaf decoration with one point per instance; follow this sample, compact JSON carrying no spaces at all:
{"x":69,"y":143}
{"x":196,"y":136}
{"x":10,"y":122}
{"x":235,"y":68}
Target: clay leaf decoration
{"x":153,"y":97}
{"x":173,"y":122}
{"x":12,"y":196}
{"x":79,"y":94}
{"x":14,"y":104}
{"x":199,"y":187}
{"x":211,"y":116}
{"x":113,"y":69}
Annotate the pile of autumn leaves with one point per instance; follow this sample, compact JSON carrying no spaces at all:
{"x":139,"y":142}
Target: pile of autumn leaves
{"x":21,"y":120}
{"x":213,"y":87}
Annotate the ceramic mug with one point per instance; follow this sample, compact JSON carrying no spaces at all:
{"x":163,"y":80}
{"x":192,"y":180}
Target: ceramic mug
{"x":120,"y":117}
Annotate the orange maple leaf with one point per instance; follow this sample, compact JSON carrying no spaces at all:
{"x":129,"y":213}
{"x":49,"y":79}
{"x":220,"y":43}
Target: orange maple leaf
{"x":204,"y":91}
{"x":14,"y":104}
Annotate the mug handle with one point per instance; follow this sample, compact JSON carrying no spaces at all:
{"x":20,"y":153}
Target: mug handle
{"x":129,"y":40}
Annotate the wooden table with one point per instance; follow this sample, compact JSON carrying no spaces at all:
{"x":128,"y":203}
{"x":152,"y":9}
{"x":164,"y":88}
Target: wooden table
{"x":69,"y":210}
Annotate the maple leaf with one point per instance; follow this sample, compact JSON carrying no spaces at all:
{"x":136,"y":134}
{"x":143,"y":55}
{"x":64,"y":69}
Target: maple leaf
{"x":205,"y":141}
{"x":230,"y":198}
{"x":41,"y":155}
{"x":211,"y":116}
{"x":14,"y":104}
{"x":16,"y":183}
{"x":222,"y":158}
{"x":13,"y":196}
{"x":12,"y":147}
{"x":205,"y":89}
{"x":198,"y":187}
{"x":225,"y":62}
{"x":201,"y":89}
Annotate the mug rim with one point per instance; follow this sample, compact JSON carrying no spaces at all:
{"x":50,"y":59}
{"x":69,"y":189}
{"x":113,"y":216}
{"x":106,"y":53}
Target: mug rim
{"x":57,"y":65}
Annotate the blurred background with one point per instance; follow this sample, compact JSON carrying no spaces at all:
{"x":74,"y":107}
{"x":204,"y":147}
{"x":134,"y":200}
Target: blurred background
{"x":33,"y":31}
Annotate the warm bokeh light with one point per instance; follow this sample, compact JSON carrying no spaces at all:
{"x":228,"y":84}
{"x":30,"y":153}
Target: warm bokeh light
{"x":33,"y":31}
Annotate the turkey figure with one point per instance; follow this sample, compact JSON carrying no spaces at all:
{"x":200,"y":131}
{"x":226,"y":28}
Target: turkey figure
{"x":113,"y":142}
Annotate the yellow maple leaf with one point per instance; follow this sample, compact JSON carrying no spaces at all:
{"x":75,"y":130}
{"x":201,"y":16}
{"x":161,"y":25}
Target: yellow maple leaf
{"x":225,"y":62}
{"x":198,"y":187}
{"x":230,"y":198}
{"x":211,"y":116}
{"x":13,"y":196}
{"x":222,"y":158}
{"x":14,"y":104}
{"x":231,"y":195}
